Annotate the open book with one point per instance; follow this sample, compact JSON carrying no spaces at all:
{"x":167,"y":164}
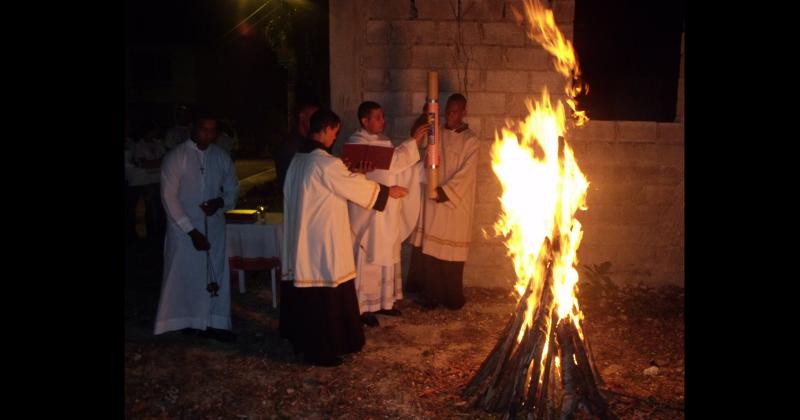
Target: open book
{"x":381,"y":157}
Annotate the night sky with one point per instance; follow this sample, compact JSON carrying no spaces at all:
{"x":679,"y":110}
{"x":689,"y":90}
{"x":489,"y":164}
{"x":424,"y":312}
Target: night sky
{"x":180,"y":21}
{"x":237,"y":75}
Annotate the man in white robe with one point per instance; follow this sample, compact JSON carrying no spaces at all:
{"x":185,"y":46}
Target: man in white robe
{"x":378,"y":236}
{"x":198,"y":184}
{"x":442,"y":237}
{"x":319,"y":308}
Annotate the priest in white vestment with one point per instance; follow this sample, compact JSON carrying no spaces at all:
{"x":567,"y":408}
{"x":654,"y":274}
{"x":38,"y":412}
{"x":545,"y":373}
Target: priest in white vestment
{"x":198,"y":184}
{"x":442,"y":237}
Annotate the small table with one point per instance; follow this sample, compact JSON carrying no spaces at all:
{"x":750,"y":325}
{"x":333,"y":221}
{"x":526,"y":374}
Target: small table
{"x":256,"y":246}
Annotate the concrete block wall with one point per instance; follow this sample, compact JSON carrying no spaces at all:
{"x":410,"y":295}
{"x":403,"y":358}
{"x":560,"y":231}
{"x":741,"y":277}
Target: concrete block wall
{"x":635,"y":169}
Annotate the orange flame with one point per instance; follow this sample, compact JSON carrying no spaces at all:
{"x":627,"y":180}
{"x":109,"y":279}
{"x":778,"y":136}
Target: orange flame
{"x":543,"y":187}
{"x":543,"y":29}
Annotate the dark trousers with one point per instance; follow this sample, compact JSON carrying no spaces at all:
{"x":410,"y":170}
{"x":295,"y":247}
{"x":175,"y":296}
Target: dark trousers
{"x":321,"y":322}
{"x":440,"y":281}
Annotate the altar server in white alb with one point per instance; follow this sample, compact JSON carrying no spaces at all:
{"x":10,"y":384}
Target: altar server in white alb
{"x":442,"y":237}
{"x":319,"y":307}
{"x":198,"y":184}
{"x":378,"y":235}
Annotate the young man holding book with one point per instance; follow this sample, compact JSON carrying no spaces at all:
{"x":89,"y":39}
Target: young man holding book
{"x":378,"y":235}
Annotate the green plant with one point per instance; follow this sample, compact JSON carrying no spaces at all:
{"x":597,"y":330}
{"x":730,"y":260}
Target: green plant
{"x":598,"y":276}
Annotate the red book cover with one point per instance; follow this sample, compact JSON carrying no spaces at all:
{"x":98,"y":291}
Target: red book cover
{"x":381,"y":157}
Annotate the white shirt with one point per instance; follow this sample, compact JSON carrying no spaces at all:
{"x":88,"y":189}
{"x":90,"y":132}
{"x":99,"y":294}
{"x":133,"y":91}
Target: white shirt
{"x":154,"y":150}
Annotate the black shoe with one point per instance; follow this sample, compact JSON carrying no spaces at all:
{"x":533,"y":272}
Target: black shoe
{"x":369,"y":319}
{"x":224,"y":336}
{"x":390,"y":312}
{"x":324,"y":361}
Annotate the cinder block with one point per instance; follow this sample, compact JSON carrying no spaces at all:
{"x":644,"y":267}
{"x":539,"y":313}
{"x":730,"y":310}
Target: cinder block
{"x":669,"y":175}
{"x":378,"y":32}
{"x":484,"y":10}
{"x":408,"y":79}
{"x":527,"y":58}
{"x":552,"y":80}
{"x":436,"y":9}
{"x":484,"y":103}
{"x":375,"y":79}
{"x":503,"y":33}
{"x":432,"y":57}
{"x":506,"y":81}
{"x":386,"y":56}
{"x":382,"y":9}
{"x":453,"y":80}
{"x":492,"y":125}
{"x":413,"y":32}
{"x":636,"y":131}
{"x":486,"y":57}
{"x":594,"y":130}
{"x":670,"y":132}
{"x":447,"y":32}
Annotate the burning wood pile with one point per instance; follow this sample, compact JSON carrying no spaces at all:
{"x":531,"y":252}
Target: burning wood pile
{"x":541,"y":367}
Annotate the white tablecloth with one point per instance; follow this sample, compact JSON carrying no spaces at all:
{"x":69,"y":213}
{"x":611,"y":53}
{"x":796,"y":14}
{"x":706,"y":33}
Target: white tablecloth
{"x":256,"y":246}
{"x":253,"y":244}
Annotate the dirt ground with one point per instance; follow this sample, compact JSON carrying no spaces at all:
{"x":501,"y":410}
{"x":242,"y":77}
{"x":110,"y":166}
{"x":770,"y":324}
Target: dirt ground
{"x":413,"y":366}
